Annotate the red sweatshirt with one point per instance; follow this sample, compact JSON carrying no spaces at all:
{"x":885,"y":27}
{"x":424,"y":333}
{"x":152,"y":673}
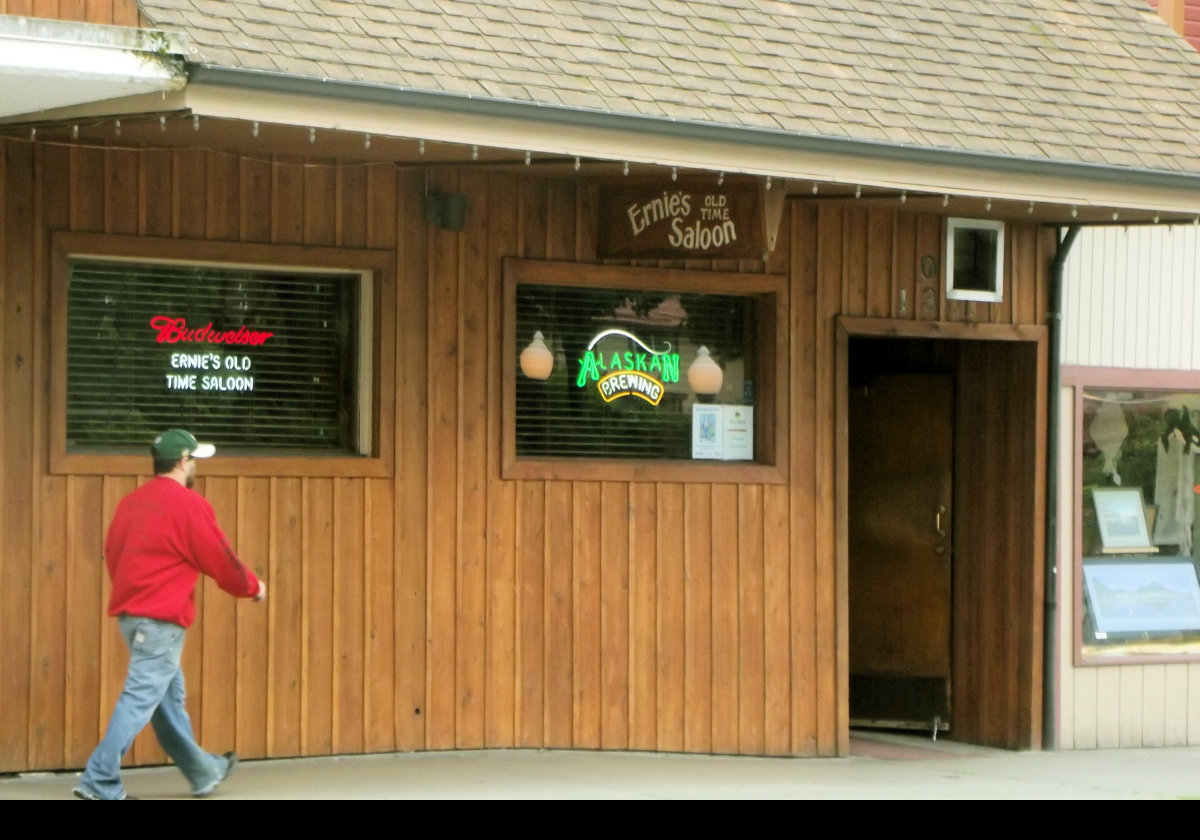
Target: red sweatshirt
{"x":162,"y":537}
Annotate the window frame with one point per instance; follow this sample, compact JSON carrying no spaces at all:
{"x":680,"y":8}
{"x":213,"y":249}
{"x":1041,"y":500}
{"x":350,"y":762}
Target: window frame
{"x":1078,"y":379}
{"x":376,"y":349}
{"x":996,"y":294}
{"x":770,"y":399}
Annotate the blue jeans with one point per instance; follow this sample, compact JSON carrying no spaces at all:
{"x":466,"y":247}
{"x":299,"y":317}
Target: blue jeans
{"x":153,"y":694}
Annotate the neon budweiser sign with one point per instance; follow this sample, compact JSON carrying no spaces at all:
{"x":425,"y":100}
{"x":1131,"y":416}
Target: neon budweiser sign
{"x":175,"y":330}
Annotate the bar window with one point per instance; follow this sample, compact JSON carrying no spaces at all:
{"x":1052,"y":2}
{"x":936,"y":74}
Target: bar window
{"x":616,"y":366}
{"x":272,"y":352}
{"x":261,"y":360}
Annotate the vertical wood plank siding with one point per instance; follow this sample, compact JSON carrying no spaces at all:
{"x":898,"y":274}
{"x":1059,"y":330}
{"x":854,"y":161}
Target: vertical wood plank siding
{"x":443,"y":607}
{"x":111,"y":12}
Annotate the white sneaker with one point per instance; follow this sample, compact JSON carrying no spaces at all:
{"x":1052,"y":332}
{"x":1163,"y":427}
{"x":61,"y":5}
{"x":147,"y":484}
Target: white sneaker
{"x":80,"y":793}
{"x":231,"y":761}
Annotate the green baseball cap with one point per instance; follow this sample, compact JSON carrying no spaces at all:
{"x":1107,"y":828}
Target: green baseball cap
{"x":173,"y":444}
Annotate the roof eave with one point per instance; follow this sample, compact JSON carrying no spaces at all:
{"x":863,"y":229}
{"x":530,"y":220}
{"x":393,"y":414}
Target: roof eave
{"x":648,"y":139}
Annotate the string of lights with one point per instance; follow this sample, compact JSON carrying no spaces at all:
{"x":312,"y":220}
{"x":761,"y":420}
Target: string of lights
{"x":124,"y":127}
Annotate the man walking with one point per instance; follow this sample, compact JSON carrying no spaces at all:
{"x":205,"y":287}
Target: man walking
{"x":163,"y":536}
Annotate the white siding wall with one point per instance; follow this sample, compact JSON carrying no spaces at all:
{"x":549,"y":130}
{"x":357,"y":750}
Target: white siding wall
{"x":1131,"y":299}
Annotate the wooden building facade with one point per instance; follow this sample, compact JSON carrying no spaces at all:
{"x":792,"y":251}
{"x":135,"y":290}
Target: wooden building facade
{"x":880,"y":561}
{"x":439,"y":605}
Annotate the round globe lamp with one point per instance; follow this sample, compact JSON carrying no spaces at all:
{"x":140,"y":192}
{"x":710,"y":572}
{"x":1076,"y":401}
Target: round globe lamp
{"x":704,"y":375}
{"x":536,"y":359}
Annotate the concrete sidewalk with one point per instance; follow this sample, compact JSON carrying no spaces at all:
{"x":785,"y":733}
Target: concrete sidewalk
{"x":881,"y":767}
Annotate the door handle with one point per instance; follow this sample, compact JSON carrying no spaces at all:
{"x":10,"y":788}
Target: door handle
{"x":937,"y":524}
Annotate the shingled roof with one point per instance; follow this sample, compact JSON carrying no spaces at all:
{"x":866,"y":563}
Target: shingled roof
{"x":1103,"y":82}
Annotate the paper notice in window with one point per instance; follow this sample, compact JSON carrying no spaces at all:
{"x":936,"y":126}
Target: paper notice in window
{"x":737,"y":438}
{"x":708,"y":424}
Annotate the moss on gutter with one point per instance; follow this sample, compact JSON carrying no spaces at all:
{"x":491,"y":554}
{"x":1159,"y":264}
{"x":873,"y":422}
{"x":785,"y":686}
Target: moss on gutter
{"x":159,"y":50}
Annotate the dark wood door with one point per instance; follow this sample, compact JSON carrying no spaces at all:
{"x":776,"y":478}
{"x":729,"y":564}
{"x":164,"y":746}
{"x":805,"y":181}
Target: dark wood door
{"x":900,"y":481}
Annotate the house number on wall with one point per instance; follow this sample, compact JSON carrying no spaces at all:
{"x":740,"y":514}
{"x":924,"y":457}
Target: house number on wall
{"x":929,"y":266}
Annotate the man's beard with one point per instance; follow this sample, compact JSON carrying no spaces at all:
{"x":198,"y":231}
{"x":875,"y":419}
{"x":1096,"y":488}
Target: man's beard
{"x":189,"y":481}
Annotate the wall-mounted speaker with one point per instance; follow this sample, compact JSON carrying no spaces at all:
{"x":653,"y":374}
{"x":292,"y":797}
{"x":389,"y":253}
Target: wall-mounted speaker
{"x":446,"y":210}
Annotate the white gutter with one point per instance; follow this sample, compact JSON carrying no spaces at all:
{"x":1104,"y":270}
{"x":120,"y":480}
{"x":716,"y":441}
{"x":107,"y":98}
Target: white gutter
{"x":48,"y":64}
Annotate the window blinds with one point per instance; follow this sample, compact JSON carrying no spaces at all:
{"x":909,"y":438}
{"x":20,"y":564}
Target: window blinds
{"x":258,"y":361}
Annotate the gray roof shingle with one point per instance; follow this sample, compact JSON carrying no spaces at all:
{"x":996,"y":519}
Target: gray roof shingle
{"x":1097,"y":81}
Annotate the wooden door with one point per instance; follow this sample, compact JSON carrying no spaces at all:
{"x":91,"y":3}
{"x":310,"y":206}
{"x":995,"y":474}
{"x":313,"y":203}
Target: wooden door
{"x":900,"y":481}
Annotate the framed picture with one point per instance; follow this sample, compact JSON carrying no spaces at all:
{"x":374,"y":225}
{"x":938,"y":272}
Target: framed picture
{"x":1121,"y":515}
{"x":1143,"y":597}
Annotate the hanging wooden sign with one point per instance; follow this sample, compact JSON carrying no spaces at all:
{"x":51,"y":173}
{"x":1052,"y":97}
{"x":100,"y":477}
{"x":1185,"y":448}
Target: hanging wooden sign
{"x":663,"y":219}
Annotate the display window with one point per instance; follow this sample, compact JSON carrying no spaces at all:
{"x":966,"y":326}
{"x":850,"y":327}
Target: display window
{"x":1138,"y":588}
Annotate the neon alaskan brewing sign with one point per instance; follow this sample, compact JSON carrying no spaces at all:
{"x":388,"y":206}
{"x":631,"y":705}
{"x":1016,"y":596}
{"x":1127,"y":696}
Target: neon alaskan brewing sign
{"x":630,"y":373}
{"x":197,"y":367}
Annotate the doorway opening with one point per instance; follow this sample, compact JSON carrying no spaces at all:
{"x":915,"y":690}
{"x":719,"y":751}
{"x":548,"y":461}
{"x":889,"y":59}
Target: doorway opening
{"x":941,"y":532}
{"x":901,"y":481}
